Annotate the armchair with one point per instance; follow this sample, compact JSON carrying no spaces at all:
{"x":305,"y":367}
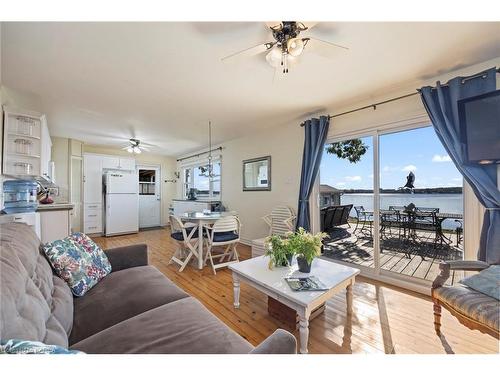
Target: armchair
{"x":473,"y":309}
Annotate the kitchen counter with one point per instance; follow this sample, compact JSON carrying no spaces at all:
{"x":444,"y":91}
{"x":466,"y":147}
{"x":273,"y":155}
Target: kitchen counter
{"x":54,"y":207}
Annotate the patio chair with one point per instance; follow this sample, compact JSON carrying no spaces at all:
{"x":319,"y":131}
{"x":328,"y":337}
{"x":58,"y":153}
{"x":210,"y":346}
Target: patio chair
{"x":472,"y":308}
{"x":281,"y":220}
{"x":225,"y":232}
{"x":364,"y":218}
{"x":187,"y":237}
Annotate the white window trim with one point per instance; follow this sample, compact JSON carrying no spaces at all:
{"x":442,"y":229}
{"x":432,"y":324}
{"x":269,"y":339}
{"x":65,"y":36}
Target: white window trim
{"x":195,"y":164}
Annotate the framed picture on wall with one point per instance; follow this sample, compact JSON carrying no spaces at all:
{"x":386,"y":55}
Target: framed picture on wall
{"x":257,"y":174}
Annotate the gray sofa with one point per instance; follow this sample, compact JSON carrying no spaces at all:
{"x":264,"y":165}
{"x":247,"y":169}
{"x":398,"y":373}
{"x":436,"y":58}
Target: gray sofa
{"x":135,"y":309}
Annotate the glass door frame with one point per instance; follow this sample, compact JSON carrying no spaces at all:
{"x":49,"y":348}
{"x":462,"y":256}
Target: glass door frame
{"x":375,"y":272}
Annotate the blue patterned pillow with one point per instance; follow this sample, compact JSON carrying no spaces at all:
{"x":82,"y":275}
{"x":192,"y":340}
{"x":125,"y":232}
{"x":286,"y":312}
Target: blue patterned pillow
{"x":32,"y":347}
{"x":487,"y":281}
{"x":78,"y":261}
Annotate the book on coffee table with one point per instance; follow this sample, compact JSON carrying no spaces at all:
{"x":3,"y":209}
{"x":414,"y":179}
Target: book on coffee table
{"x":305,"y":284}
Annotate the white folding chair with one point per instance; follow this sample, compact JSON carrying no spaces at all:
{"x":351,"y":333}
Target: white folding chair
{"x":187,"y":237}
{"x":224,"y":232}
{"x":281,"y":220}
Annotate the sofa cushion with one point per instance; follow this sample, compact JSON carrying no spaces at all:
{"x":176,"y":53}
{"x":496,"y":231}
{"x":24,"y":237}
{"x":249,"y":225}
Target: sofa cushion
{"x":35,"y":304}
{"x":471,"y":303}
{"x":120,"y":296}
{"x":78,"y":261}
{"x":32,"y":347}
{"x":487,"y":282}
{"x":225,"y":236}
{"x":183,"y":326}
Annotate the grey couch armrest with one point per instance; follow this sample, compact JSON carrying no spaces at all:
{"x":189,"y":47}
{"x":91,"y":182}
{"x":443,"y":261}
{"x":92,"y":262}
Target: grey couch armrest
{"x":280,"y":342}
{"x":127,"y":256}
{"x":462,"y":265}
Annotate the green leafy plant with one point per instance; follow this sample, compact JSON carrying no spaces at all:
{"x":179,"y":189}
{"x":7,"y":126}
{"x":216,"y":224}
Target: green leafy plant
{"x":351,"y":150}
{"x":305,"y":244}
{"x":279,"y":251}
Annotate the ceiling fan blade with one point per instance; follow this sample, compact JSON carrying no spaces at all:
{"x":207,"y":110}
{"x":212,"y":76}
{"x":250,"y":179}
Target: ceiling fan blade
{"x":255,"y":50}
{"x":309,"y":24}
{"x":325,"y":42}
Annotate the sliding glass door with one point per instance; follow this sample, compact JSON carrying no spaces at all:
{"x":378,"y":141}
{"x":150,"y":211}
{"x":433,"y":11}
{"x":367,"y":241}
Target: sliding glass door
{"x":405,"y":203}
{"x":421,"y":204}
{"x":346,"y":201}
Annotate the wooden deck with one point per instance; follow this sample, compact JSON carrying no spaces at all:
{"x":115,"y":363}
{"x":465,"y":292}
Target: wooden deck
{"x":412,"y":258}
{"x":384,"y":319}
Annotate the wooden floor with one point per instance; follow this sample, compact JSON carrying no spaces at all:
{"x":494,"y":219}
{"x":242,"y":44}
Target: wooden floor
{"x":384,"y":319}
{"x":412,"y":258}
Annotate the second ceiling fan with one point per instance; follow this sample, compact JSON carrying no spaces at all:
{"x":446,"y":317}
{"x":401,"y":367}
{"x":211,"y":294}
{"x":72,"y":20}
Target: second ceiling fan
{"x":287,"y":44}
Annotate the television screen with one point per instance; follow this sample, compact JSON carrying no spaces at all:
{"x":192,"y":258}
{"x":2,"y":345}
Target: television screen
{"x":480,"y":127}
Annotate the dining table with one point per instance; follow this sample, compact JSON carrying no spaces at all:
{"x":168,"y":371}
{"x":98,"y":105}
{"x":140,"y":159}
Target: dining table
{"x":201,"y":219}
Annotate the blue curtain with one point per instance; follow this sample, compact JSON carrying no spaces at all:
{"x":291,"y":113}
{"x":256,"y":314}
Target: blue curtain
{"x":441,"y":105}
{"x":316,"y":131}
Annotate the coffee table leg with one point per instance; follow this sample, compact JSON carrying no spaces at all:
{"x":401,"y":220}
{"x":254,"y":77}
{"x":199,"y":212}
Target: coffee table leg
{"x":349,"y":297}
{"x":303,"y":330}
{"x":236,"y":291}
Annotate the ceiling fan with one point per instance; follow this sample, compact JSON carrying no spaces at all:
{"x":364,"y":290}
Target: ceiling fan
{"x":287,"y":44}
{"x":134,"y":146}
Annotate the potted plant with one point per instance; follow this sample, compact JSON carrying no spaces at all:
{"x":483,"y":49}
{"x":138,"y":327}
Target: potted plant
{"x":306,"y":246}
{"x":279,"y":251}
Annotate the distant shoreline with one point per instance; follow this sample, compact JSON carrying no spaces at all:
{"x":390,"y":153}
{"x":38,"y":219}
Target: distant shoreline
{"x":441,"y":190}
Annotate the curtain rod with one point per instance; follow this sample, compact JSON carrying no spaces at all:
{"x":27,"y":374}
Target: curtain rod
{"x":374,"y":105}
{"x":201,"y":153}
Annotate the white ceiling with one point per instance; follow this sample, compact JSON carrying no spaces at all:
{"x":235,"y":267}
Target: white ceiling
{"x":160,"y":82}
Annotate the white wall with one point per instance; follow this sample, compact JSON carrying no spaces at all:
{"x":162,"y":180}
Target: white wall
{"x":284,"y":144}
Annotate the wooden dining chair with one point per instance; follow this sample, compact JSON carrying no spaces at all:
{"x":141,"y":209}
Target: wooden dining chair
{"x":187,"y":237}
{"x":225,"y":232}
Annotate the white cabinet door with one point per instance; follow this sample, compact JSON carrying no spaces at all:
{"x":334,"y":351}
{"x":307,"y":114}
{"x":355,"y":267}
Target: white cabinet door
{"x":54,"y":225}
{"x":45,"y":152}
{"x":92,"y":179}
{"x":127,"y":164}
{"x":110,"y":162}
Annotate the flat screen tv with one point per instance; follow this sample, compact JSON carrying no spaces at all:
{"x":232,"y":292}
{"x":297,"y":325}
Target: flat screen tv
{"x":480,"y":127}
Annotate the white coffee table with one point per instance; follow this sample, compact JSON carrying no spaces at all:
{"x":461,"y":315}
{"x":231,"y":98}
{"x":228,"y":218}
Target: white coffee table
{"x":256,"y":273}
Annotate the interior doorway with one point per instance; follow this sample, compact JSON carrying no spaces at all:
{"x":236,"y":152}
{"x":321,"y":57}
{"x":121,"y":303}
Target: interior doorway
{"x":149,"y":196}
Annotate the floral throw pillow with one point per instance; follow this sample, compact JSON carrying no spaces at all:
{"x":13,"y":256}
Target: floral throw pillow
{"x":78,"y":261}
{"x":32,"y":347}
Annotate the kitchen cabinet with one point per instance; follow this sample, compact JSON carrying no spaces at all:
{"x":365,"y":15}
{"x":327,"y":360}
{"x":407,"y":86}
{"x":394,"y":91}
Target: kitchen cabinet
{"x":26,"y":144}
{"x":31,"y":219}
{"x":115,"y":162}
{"x":54,"y":225}
{"x":184,"y":206}
{"x":92,"y":179}
{"x":92,"y":193}
{"x":46,"y":152}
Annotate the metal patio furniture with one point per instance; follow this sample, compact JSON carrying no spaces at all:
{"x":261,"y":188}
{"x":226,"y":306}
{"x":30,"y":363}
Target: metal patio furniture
{"x":365,"y":219}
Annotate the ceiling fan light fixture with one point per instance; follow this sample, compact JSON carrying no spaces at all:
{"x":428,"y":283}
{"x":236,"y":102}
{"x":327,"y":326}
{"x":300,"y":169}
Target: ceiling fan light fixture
{"x":274,"y":57}
{"x":295,"y":46}
{"x":130,"y":149}
{"x":137,"y":150}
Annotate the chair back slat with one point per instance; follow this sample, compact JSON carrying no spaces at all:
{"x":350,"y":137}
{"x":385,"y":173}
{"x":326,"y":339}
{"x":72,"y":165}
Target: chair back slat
{"x":176,"y":224}
{"x":226,"y":224}
{"x":279,"y":217}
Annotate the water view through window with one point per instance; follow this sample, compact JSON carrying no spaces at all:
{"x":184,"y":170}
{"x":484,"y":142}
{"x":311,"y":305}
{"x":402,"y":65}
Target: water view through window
{"x":420,"y":200}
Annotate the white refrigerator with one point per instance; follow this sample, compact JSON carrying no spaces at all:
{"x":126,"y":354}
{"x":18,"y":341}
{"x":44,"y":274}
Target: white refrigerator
{"x":121,"y":203}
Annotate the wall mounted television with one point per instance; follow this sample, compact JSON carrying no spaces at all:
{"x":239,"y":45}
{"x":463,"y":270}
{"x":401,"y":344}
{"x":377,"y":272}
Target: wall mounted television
{"x":479,"y":118}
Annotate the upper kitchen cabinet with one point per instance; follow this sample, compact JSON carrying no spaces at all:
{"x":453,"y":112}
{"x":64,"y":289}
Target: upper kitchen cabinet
{"x":115,"y":162}
{"x":26,"y":145}
{"x":92,"y":179}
